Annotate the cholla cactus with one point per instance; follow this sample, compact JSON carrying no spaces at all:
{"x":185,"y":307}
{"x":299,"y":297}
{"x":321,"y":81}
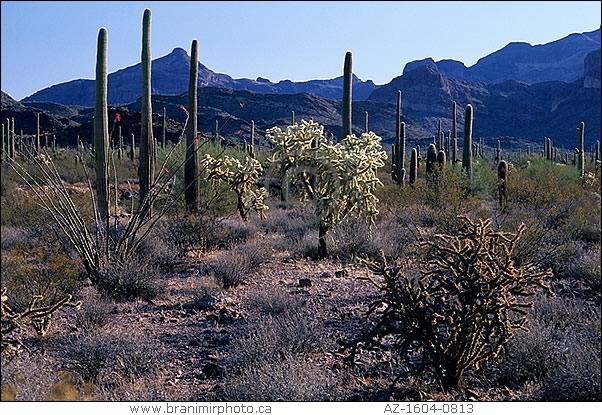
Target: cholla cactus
{"x":346,"y":171}
{"x":37,"y":316}
{"x":242,"y":178}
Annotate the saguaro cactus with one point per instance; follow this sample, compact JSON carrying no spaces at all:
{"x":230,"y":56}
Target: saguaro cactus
{"x":431,"y":159}
{"x":366,"y":121}
{"x":164,"y":130}
{"x":132,"y":153}
{"x":581,"y":150}
{"x":191,"y":170}
{"x":467,"y":146}
{"x":146,"y":168}
{"x":292,"y":117}
{"x":252,"y":145}
{"x":101,"y":127}
{"x":37,"y":144}
{"x":347,"y":85}
{"x":413,"y":166}
{"x":3,"y":144}
{"x":502,"y":176}
{"x":498,"y":150}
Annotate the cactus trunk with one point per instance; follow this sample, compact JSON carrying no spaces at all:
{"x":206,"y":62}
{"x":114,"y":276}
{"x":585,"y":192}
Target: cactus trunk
{"x":191,"y":170}
{"x":413,"y":166}
{"x":146,"y":167}
{"x":581,"y":147}
{"x":101,"y":128}
{"x":37,"y":143}
{"x":467,"y":146}
{"x":347,"y":85}
{"x":366,"y":121}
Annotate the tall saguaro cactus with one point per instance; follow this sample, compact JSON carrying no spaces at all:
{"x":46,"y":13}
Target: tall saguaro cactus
{"x":365,"y":121}
{"x":252,"y":145}
{"x":191,"y":169}
{"x":164,"y":128}
{"x":146,"y":168}
{"x":37,"y":144}
{"x":581,"y":150}
{"x":101,"y":128}
{"x":467,"y":146}
{"x":413,"y":166}
{"x":347,"y":86}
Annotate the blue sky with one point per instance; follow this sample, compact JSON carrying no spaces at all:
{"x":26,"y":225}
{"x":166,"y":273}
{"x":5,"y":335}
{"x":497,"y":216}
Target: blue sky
{"x":45,"y":43}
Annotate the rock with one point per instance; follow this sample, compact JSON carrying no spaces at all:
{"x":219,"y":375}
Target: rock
{"x":213,"y":370}
{"x":206,"y":302}
{"x":341,"y":273}
{"x":325,"y":274}
{"x":305,"y":282}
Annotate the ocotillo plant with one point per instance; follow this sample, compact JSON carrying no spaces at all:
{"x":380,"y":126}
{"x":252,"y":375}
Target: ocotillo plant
{"x":413,"y":166}
{"x":580,"y":150}
{"x":101,"y":128}
{"x":347,"y":85}
{"x":467,"y":147}
{"x":366,"y":121}
{"x":191,"y":169}
{"x":146,"y":167}
{"x":502,"y":176}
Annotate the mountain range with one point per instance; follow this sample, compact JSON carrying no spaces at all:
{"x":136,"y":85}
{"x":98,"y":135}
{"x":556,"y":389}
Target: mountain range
{"x":520,"y":92}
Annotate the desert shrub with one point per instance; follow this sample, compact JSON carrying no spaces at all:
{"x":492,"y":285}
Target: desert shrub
{"x":94,"y":312}
{"x":105,"y":359}
{"x":234,"y":265}
{"x":13,"y":236}
{"x":187,"y":233}
{"x":290,"y":379}
{"x":156,"y":251}
{"x":560,"y":352}
{"x":129,"y":282}
{"x":463,"y":306}
{"x":273,"y":338}
{"x":36,"y":270}
{"x":19,"y":384}
{"x":273,"y":302}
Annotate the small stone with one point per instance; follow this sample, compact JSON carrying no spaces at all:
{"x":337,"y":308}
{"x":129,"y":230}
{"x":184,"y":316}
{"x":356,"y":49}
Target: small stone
{"x":211,"y":317}
{"x":325,"y":274}
{"x":305,"y":282}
